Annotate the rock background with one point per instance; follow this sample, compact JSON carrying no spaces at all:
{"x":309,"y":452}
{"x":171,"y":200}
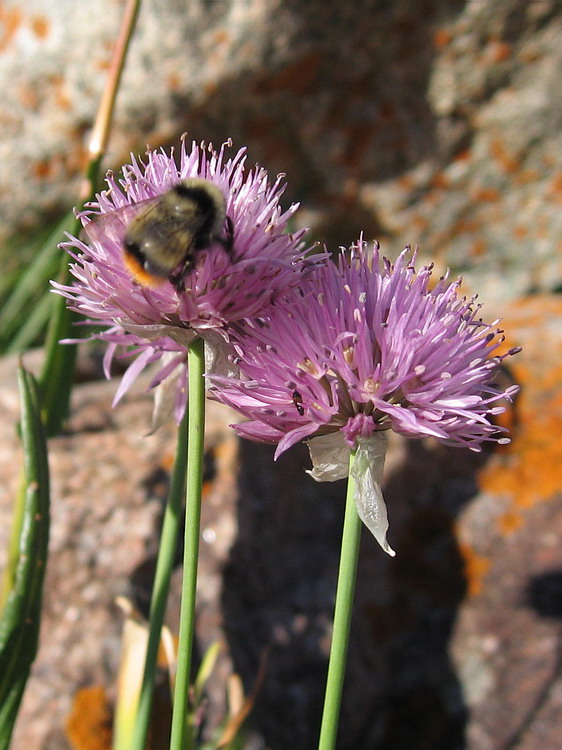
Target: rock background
{"x":436,"y":123}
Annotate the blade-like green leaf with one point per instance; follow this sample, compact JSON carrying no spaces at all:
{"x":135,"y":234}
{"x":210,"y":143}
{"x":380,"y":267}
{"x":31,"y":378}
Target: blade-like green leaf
{"x":33,"y":283}
{"x":207,"y":665}
{"x":19,"y":624}
{"x":57,"y":376}
{"x":34,"y":324}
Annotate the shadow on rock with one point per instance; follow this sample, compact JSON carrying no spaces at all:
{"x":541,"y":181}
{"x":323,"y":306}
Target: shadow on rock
{"x":544,"y":594}
{"x":401,"y":689}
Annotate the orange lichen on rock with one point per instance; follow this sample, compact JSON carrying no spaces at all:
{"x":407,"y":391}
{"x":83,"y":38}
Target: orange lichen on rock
{"x":487,"y":195}
{"x":528,"y":470}
{"x":298,"y":76}
{"x":28,"y":97}
{"x":420,"y":223}
{"x":43,"y":169}
{"x":10,"y":21}
{"x":500,"y":51}
{"x":510,"y":521}
{"x":440,"y":180}
{"x":405,"y":182}
{"x":526,"y":177}
{"x":463,"y":155}
{"x":61,"y":95}
{"x":442,"y":38}
{"x":464,"y":226}
{"x":501,"y":155}
{"x":555,"y":187}
{"x":478,"y":248}
{"x":475,"y":569}
{"x":88,"y":726}
{"x":40,"y":26}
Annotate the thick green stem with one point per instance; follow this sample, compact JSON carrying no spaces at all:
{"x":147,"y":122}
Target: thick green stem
{"x":164,"y":567}
{"x":342,"y":618}
{"x":196,"y":407}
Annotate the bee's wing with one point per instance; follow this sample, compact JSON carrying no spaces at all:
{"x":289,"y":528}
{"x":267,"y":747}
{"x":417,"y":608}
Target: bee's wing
{"x":113,"y":225}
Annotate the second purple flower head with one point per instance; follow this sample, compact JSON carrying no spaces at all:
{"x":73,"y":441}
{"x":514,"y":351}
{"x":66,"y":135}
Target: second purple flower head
{"x":362,"y":347}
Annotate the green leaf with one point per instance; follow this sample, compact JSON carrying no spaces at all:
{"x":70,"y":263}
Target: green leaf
{"x":35,"y":322}
{"x":32,"y":286}
{"x":207,"y":665}
{"x":19,"y":624}
{"x":57,"y":376}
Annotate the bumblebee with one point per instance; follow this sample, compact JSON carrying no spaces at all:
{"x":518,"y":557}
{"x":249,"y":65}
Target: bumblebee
{"x":165,"y":234}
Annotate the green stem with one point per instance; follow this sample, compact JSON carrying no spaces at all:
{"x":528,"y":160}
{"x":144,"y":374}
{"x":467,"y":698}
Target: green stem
{"x":342,"y":618}
{"x":196,"y":408}
{"x":164,"y":566}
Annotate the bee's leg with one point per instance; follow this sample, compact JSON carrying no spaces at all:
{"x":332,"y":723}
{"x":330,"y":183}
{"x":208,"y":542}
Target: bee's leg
{"x":178,"y":281}
{"x":177,"y":278}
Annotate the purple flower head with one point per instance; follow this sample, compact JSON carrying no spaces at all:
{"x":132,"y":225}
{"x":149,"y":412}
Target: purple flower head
{"x":223,"y":286}
{"x":363,"y":347}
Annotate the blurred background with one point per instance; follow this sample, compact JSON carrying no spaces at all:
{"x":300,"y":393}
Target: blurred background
{"x":436,"y":123}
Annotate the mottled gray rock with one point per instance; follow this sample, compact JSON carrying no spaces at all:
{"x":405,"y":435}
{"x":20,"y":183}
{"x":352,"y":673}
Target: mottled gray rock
{"x":434,"y":123}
